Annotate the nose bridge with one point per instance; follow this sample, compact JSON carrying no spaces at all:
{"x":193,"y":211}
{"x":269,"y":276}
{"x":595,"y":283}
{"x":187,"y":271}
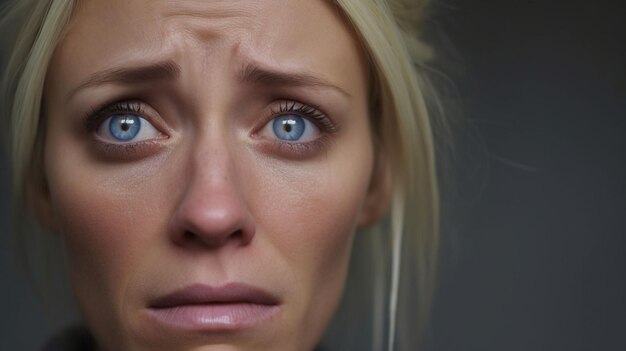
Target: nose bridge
{"x":211,"y":160}
{"x":212,"y":210}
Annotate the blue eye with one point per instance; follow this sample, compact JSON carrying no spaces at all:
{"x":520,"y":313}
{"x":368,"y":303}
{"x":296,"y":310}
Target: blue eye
{"x":291,"y":128}
{"x":126,"y":128}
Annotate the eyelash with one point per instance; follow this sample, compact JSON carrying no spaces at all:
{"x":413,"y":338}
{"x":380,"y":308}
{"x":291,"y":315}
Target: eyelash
{"x":312,"y":112}
{"x":97,"y":115}
{"x":315,"y":115}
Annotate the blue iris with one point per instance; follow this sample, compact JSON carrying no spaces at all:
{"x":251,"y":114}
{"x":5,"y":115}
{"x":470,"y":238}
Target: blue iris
{"x":124,"y":127}
{"x":289,"y":127}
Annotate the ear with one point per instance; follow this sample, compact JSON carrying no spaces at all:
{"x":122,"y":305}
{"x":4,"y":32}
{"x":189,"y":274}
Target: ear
{"x":378,"y":199}
{"x":39,"y":201}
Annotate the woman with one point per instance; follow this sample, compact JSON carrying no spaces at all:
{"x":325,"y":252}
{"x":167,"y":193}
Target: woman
{"x":211,"y":168}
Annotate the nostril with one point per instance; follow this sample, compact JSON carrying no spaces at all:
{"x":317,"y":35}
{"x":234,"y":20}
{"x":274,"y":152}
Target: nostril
{"x":190,"y":238}
{"x":211,"y":233}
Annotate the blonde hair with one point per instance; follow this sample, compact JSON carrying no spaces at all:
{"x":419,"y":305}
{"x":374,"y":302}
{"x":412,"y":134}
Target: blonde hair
{"x":404,"y":246}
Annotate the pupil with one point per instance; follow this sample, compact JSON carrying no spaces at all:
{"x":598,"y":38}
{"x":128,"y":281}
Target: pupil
{"x":125,"y":126}
{"x":288,"y":128}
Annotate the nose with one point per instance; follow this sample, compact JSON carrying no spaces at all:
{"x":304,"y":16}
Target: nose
{"x":211,"y":212}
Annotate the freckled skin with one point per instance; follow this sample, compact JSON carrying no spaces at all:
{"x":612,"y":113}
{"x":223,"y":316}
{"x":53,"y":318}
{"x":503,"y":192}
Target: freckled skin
{"x":210,"y":200}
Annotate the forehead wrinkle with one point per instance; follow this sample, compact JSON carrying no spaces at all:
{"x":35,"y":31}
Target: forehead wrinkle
{"x":209,"y":22}
{"x":209,"y":9}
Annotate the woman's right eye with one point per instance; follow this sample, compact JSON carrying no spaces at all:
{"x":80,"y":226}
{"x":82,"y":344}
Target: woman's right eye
{"x":126,"y":128}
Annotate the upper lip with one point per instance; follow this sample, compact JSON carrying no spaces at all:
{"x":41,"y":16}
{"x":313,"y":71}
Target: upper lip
{"x":199,"y":294}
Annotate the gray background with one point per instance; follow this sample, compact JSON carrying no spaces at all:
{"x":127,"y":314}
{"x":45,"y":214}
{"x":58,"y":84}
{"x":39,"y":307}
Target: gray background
{"x":533,"y":249}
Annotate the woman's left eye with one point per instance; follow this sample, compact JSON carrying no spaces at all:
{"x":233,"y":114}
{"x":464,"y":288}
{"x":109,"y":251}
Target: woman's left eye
{"x":291,"y":128}
{"x":127,"y":128}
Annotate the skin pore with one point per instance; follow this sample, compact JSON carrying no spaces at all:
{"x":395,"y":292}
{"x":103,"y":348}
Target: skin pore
{"x":208,"y":142}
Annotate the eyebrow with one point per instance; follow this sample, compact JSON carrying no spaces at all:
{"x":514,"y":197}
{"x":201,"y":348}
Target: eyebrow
{"x":253,"y":73}
{"x":167,"y":70}
{"x":170,"y":70}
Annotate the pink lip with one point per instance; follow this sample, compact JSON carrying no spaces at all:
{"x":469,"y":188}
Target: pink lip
{"x":199,"y":307}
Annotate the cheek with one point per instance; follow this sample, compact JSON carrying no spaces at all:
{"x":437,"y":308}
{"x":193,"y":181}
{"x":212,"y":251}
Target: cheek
{"x":106,"y":217}
{"x":310,"y":215}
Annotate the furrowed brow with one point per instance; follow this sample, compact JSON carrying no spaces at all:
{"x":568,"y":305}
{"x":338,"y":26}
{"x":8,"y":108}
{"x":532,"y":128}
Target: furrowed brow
{"x":167,"y":70}
{"x":255,"y":74}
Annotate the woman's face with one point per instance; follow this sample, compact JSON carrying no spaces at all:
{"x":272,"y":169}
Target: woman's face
{"x":208,"y":163}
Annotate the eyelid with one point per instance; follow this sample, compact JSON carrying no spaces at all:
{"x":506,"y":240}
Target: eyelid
{"x":311,"y":112}
{"x":96,"y":116}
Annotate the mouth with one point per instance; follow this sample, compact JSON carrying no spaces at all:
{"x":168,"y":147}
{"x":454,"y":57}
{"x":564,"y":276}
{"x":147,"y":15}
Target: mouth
{"x":199,"y":307}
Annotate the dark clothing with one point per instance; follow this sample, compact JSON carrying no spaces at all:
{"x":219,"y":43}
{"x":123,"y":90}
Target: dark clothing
{"x":75,"y":338}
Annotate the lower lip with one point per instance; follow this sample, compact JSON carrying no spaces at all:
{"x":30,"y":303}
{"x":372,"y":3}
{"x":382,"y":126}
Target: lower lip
{"x":214,"y":317}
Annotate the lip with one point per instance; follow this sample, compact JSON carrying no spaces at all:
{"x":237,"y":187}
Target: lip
{"x":199,"y":307}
